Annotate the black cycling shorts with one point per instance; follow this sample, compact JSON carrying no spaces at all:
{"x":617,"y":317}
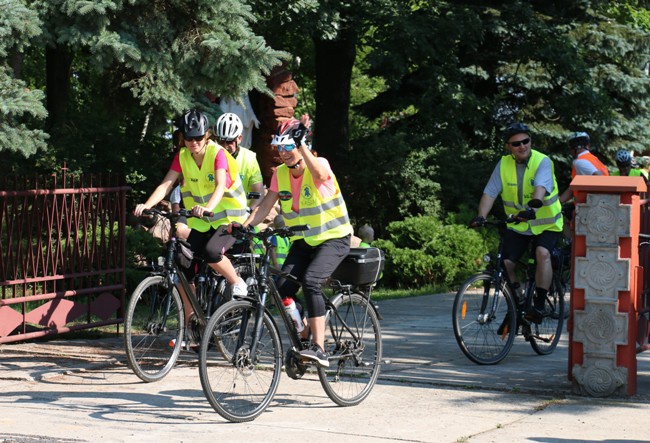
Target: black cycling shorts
{"x":516,"y":244}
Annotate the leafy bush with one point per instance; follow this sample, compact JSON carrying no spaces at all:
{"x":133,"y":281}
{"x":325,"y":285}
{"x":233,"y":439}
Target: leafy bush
{"x":423,"y":251}
{"x":141,"y":247}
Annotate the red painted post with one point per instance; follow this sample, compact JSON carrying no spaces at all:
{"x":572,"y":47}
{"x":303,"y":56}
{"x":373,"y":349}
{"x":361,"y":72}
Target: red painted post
{"x":605,"y":285}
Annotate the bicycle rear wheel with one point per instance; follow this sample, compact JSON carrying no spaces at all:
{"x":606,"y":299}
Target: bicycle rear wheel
{"x":565,"y":286}
{"x":545,"y":336}
{"x":154,"y":319}
{"x":238,"y":384}
{"x":484,"y":335}
{"x":353,"y":341}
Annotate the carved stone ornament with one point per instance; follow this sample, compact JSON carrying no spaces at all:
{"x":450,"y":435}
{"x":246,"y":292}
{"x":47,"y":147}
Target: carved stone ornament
{"x":602,"y":274}
{"x":600,"y":328}
{"x":599,"y":378}
{"x":602,"y":220}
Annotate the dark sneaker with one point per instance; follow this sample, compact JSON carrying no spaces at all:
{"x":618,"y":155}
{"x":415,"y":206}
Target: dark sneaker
{"x":535,"y":315}
{"x":317,"y":355}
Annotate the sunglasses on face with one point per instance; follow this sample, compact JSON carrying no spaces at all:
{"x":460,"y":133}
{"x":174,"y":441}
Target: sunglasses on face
{"x":287,"y":148}
{"x":193,"y":139}
{"x":225,"y":140}
{"x":520,"y":142}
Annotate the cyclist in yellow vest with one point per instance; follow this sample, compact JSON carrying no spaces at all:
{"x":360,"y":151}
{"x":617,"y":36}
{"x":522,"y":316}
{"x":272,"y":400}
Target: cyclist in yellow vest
{"x":520,"y":176}
{"x":309,"y":194}
{"x":281,"y":244}
{"x":210,"y":184}
{"x":624,"y":161}
{"x":367,"y":236}
{"x":228,"y":133}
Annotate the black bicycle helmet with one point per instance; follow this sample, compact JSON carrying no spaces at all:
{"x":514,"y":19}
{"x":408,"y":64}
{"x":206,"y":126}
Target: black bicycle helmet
{"x":514,"y":129}
{"x":578,"y":140}
{"x":624,"y":158}
{"x":195,"y":124}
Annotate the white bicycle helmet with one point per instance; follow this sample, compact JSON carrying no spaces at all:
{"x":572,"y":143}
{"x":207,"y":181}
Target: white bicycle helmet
{"x":579,"y":139}
{"x":623,"y":157}
{"x":228,"y":127}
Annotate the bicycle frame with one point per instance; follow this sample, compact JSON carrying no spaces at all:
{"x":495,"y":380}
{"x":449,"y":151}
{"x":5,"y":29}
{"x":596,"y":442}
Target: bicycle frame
{"x":266,"y":284}
{"x":175,"y":276}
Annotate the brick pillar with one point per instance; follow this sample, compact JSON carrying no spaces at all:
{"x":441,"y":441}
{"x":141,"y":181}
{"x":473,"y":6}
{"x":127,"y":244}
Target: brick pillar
{"x":270,"y":111}
{"x":606,"y":282}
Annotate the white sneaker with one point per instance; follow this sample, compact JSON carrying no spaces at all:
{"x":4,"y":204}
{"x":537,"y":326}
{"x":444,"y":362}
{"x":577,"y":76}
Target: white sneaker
{"x":240,"y":289}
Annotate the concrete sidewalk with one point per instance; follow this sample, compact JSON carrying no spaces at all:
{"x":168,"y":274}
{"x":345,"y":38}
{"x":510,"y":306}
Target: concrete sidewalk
{"x":66,"y":390}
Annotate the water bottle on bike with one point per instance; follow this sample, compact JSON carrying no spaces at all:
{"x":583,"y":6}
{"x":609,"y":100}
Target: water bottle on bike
{"x":292,"y":310}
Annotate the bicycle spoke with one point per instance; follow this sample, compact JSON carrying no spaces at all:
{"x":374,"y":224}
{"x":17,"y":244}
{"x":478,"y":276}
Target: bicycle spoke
{"x":485,"y":328}
{"x":238,"y":385}
{"x":353,"y":341}
{"x":153,"y":322}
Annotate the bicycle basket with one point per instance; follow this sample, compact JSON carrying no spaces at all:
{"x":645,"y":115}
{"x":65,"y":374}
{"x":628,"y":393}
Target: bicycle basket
{"x":184,"y":254}
{"x":361,"y":267}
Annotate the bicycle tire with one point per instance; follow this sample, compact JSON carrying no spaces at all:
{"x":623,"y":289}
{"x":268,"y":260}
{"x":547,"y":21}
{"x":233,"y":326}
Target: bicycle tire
{"x":485,"y":339}
{"x":354,"y":362}
{"x":546,"y":335}
{"x":565,"y":279}
{"x":239,"y":388}
{"x":147,"y":335}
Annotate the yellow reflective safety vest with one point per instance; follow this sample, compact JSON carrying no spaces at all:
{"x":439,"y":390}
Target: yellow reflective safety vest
{"x":249,"y":169}
{"x":199,"y":185}
{"x":256,"y":245}
{"x":326,"y":216}
{"x":281,"y":249}
{"x":549,"y":216}
{"x":634,"y":172}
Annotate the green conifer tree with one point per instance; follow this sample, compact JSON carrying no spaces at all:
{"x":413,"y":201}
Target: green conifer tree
{"x":118,"y":71}
{"x":20,"y":104}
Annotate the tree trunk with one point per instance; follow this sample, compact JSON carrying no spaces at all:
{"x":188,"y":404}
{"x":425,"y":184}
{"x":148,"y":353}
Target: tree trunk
{"x":58,"y":63}
{"x":334,"y":62}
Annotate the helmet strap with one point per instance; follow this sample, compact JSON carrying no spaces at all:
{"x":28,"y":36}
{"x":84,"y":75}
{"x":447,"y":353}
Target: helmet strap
{"x":296,"y":166}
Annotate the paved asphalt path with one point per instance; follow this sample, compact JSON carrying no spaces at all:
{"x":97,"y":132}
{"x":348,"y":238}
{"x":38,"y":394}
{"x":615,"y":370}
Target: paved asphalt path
{"x":82,"y":391}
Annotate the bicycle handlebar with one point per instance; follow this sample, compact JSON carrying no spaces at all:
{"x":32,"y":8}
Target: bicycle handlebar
{"x":246,"y":232}
{"x":181,"y":213}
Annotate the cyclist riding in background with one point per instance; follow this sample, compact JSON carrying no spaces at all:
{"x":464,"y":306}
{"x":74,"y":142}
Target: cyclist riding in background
{"x":280,"y":244}
{"x":624,"y":162}
{"x":584,"y":163}
{"x":228,"y":133}
{"x":309,"y":194}
{"x":520,"y":176}
{"x":210,"y":184}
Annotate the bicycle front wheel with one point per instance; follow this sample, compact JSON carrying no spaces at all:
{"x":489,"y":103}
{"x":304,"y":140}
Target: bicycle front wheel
{"x":153,"y":328}
{"x":484,"y":325}
{"x":353,"y":341}
{"x":239,"y":382}
{"x":545,"y":336}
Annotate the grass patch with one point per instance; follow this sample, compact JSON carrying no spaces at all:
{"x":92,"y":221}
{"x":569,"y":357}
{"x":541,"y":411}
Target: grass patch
{"x":382,"y":293}
{"x":546,"y":404}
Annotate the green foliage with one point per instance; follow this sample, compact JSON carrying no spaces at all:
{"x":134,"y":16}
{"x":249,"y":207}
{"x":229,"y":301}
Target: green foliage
{"x":20,"y":106}
{"x":469,"y":68}
{"x":123,"y":70}
{"x":141,"y":246}
{"x":423,"y":251}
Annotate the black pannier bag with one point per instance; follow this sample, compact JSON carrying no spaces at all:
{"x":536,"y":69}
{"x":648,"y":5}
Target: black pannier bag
{"x":184,"y":254}
{"x":362,"y":266}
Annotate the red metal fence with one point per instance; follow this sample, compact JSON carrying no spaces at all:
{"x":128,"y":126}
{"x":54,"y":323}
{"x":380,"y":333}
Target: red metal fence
{"x":62,"y":254}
